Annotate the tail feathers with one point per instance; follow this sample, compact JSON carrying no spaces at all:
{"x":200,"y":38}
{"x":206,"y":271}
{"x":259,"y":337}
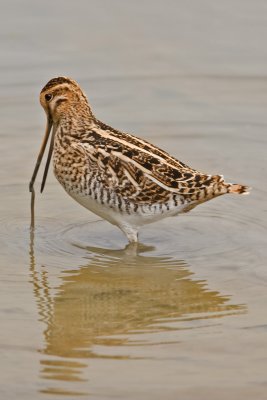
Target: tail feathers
{"x":238,"y":189}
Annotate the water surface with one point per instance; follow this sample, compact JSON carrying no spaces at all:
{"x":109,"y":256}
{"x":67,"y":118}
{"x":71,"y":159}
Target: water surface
{"x":184,"y":314}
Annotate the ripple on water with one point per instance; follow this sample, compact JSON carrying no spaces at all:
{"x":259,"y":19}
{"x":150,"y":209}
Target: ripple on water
{"x":116,"y":298}
{"x":209,"y":232}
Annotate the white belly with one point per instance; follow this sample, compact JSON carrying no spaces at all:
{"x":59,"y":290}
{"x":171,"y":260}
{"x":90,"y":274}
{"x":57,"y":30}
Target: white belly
{"x":145,"y":215}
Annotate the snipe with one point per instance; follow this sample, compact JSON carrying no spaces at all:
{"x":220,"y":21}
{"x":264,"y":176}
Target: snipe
{"x":122,"y":178}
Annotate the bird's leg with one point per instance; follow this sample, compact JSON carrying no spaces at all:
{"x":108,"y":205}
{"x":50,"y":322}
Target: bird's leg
{"x":130,"y":231}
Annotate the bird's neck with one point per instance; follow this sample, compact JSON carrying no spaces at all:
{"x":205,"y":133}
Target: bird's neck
{"x":73,"y":122}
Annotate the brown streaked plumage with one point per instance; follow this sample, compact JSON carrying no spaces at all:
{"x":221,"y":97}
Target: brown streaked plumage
{"x":118,"y":176}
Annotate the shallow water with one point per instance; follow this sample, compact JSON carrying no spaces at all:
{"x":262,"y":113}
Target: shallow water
{"x":184,"y":315}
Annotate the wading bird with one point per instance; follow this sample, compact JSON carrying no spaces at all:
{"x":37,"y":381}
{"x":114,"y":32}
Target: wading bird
{"x":118,"y":176}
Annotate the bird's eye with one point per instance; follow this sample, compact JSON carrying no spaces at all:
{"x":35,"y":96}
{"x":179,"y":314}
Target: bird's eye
{"x":48,"y":97}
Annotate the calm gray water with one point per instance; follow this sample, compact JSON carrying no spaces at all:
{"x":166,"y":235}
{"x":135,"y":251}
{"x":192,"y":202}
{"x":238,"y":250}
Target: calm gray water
{"x":185,"y":317}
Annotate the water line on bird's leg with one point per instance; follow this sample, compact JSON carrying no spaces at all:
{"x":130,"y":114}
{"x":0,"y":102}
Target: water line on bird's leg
{"x":32,"y":207}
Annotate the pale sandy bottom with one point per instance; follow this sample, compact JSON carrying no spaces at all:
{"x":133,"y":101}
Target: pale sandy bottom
{"x":184,"y":318}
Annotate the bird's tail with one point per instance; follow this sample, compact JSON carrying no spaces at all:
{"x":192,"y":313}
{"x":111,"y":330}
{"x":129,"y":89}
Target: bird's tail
{"x":221,"y":187}
{"x":237,"y":189}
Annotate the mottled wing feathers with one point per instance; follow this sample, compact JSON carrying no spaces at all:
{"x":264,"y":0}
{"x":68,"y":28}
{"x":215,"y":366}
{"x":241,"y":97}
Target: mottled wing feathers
{"x":141,"y":171}
{"x":142,"y":144}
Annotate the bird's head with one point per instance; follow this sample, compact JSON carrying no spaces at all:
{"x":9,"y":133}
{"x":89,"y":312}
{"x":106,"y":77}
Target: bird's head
{"x":62,"y":97}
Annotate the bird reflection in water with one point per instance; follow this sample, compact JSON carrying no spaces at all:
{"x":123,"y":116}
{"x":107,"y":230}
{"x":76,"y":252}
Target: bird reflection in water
{"x":105,"y":305}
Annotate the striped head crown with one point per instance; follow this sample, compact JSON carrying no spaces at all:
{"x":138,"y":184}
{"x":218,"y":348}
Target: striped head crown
{"x":58,"y":81}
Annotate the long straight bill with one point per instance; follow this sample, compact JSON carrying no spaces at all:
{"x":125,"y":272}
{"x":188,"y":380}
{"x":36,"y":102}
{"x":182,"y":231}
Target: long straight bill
{"x":50,"y":152}
{"x":38,"y":162}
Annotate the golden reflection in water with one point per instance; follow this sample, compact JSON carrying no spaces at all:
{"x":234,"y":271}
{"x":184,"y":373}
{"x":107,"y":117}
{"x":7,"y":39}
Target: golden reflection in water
{"x":116,"y":294}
